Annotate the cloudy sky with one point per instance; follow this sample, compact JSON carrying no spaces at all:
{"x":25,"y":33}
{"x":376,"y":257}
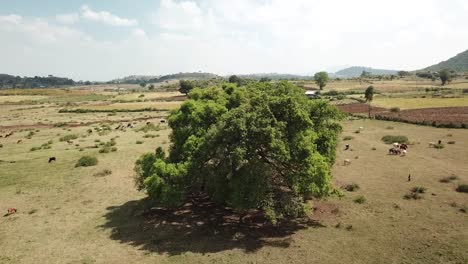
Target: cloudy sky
{"x":107,"y":39}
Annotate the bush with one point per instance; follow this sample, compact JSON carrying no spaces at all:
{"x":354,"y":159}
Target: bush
{"x":389,"y":127}
{"x":448,"y":179}
{"x":87,"y":161}
{"x":388,"y":139}
{"x":351,"y":187}
{"x":35,"y":148}
{"x":1,"y":145}
{"x":462,"y":188}
{"x":451,"y":142}
{"x":439,"y":146}
{"x":139,"y":142}
{"x":419,"y":189}
{"x":68,"y":137}
{"x":149,"y":127}
{"x":360,"y":199}
{"x":150,"y":136}
{"x":395,"y":109}
{"x":412,"y":195}
{"x":348,"y":138}
{"x":357,"y":131}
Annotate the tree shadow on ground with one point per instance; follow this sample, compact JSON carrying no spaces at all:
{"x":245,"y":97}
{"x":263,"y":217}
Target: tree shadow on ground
{"x":198,"y":226}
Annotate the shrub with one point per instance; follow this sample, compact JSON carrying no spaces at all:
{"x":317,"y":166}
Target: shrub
{"x":139,"y":142}
{"x":103,"y":173}
{"x":149,"y":127}
{"x":462,"y":188}
{"x":87,"y":161}
{"x":68,"y":137}
{"x":150,"y":136}
{"x":374,"y":148}
{"x":419,"y":189}
{"x":348,"y":138}
{"x":35,"y":148}
{"x":360,"y":199}
{"x":357,"y":131}
{"x":389,"y":127}
{"x":412,"y":195}
{"x":395,"y":109}
{"x":388,"y":139}
{"x":113,"y":149}
{"x":448,"y":179}
{"x":439,"y":146}
{"x":351,"y":187}
{"x":1,"y":145}
{"x":451,"y":142}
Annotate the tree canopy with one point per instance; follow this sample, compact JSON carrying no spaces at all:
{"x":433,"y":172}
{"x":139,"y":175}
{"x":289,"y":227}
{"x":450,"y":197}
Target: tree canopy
{"x":321,"y":79}
{"x":445,"y":76}
{"x":369,"y":95}
{"x":261,"y":146}
{"x":185,"y":86}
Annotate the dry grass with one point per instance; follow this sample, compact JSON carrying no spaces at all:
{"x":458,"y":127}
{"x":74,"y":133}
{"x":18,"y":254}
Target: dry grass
{"x":415,"y":103}
{"x":68,"y":215}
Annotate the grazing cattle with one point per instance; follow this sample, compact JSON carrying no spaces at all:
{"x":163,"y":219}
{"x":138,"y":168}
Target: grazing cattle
{"x":162,"y":121}
{"x":1,"y":136}
{"x":403,"y":152}
{"x":346,"y":162}
{"x":394,"y":151}
{"x":11,"y":211}
{"x":440,"y":141}
{"x":147,"y":123}
{"x":361,"y":128}
{"x":409,"y":177}
{"x":129,"y":125}
{"x":19,"y":141}
{"x":347,"y":147}
{"x":403,"y":146}
{"x":52,"y":159}
{"x":118,"y":127}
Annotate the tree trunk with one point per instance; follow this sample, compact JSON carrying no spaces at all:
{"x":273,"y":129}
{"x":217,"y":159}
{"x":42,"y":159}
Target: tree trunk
{"x":369,"y":110}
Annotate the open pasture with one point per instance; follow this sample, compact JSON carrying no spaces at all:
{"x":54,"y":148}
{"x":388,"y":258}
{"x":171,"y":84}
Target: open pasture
{"x":69,"y":214}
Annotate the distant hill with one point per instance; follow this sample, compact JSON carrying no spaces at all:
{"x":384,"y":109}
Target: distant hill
{"x":274,"y":76}
{"x":458,"y":63}
{"x":356,"y":71}
{"x":135,"y":79}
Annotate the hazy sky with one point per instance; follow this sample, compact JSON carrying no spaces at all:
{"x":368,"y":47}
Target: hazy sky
{"x":107,"y":39}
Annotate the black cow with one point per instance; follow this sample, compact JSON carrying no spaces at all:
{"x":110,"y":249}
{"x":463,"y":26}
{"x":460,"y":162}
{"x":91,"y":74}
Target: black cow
{"x":52,"y":159}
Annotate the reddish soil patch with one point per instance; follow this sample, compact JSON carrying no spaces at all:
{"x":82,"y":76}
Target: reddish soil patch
{"x":430,"y":116}
{"x":357,"y":108}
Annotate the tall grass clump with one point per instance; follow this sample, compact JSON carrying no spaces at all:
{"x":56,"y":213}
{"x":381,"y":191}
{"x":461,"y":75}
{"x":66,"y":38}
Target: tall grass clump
{"x":68,"y":137}
{"x":87,"y":161}
{"x":389,"y":139}
{"x":462,"y":188}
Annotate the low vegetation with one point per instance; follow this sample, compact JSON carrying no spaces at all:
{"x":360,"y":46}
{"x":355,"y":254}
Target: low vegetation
{"x":346,"y":138}
{"x":103,"y":173}
{"x":462,"y":188}
{"x":448,"y":179}
{"x":351,"y":187}
{"x":389,"y":139}
{"x":360,"y":199}
{"x":87,"y":161}
{"x":68,"y":137}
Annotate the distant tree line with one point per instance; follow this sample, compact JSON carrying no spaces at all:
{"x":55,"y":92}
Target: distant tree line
{"x":10,"y":81}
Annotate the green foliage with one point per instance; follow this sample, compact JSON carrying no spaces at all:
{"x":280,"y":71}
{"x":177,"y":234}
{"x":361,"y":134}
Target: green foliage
{"x":151,"y":87}
{"x":462,"y":188}
{"x":149,"y":127}
{"x":185,"y":86}
{"x":360,"y":199}
{"x":68,"y":137}
{"x":321,"y":79}
{"x":235,"y":79}
{"x":262,"y":145}
{"x":445,"y":76}
{"x":369,"y":94}
{"x":419,"y":189}
{"x":388,"y":139}
{"x":87,"y":161}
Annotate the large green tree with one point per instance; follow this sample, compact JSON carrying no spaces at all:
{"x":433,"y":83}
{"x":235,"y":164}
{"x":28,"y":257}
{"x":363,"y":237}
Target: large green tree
{"x":263,"y":146}
{"x":445,"y":76}
{"x":321,"y":79}
{"x":185,"y":86}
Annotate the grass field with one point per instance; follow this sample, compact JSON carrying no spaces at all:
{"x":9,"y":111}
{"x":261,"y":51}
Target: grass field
{"x":69,"y":214}
{"x":414,"y":103}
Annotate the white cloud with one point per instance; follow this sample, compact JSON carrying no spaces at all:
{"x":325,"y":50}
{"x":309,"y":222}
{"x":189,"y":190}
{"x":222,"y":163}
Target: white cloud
{"x":67,"y":18}
{"x":242,"y":36}
{"x":138,"y":32}
{"x":106,"y":17}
